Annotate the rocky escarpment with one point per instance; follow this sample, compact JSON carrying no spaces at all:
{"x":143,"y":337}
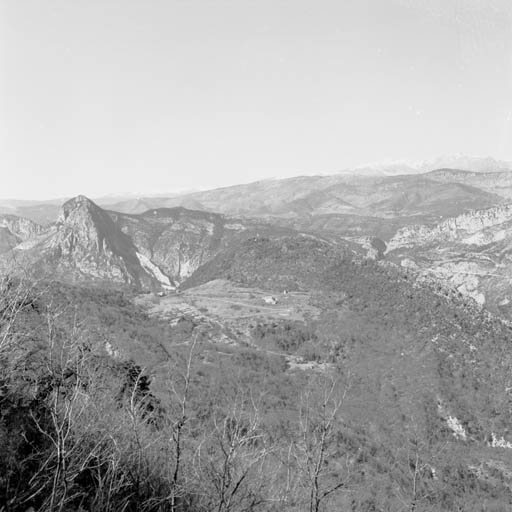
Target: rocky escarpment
{"x":14,"y":230}
{"x":452,"y":229}
{"x":20,"y":227}
{"x":179,"y":240}
{"x":84,"y":243}
{"x":87,"y":239}
{"x":471,"y":252}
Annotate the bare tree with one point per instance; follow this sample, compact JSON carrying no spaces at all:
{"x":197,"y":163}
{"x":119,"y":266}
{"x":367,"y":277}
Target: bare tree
{"x":180,"y":387}
{"x":419,"y":458}
{"x":233,"y":459}
{"x":67,"y":383}
{"x":16,"y":296}
{"x":323,"y":469}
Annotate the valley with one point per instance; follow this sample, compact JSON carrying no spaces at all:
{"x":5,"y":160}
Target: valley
{"x":381,"y":302}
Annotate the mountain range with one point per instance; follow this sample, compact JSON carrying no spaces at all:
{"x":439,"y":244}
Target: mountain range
{"x":373,"y":190}
{"x":455,"y":161}
{"x":374,"y":196}
{"x":157,"y":249}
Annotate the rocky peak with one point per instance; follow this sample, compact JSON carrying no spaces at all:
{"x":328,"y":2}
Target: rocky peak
{"x":86,"y":228}
{"x":78,"y":207}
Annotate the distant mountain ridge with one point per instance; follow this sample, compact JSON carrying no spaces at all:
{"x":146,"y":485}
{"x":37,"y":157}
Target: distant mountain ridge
{"x":495,"y":182}
{"x":456,"y":161}
{"x":309,"y":195}
{"x":305,"y":196}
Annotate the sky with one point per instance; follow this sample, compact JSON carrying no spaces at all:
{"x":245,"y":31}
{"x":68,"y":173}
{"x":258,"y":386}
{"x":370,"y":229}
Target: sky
{"x":105,"y":97}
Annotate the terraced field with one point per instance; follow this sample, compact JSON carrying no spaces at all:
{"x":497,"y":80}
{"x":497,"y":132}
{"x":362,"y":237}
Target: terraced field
{"x":229,"y":313}
{"x":222,"y":301}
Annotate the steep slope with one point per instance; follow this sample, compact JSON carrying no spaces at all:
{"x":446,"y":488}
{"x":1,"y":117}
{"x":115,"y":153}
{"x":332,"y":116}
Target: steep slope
{"x":14,"y":230}
{"x":20,"y":227}
{"x":84,"y":243}
{"x":288,"y":263}
{"x":472,"y":252}
{"x":7,"y":240}
{"x":424,"y":362}
{"x":178,"y":240}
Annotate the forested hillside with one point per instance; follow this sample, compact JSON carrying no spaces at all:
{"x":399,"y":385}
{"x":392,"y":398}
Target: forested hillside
{"x":404,"y":405}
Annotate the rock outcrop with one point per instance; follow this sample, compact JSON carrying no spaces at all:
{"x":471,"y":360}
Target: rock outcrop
{"x":452,"y":229}
{"x":14,"y":230}
{"x":471,"y":252}
{"x":85,"y":243}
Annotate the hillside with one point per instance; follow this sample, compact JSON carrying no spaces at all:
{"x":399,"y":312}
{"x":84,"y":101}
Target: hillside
{"x":496,"y":182}
{"x":293,"y":263}
{"x":418,"y":380}
{"x":42,"y":212}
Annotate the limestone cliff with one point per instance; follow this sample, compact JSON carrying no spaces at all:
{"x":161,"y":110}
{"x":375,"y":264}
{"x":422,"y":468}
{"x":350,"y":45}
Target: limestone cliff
{"x":451,"y":229}
{"x":471,"y":252}
{"x":84,"y":243}
{"x":14,"y":230}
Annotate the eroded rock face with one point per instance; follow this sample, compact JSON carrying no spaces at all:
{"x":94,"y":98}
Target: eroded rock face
{"x":453,"y":229}
{"x":179,"y":240}
{"x":471,"y":252}
{"x":14,"y":230}
{"x":84,"y":243}
{"x":86,"y":239}
{"x":175,"y":240}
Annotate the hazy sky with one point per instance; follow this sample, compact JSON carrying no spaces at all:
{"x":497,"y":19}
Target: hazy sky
{"x":146,"y":96}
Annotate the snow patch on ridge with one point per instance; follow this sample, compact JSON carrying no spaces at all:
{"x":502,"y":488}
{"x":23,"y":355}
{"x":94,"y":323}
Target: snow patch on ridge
{"x":152,"y":269}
